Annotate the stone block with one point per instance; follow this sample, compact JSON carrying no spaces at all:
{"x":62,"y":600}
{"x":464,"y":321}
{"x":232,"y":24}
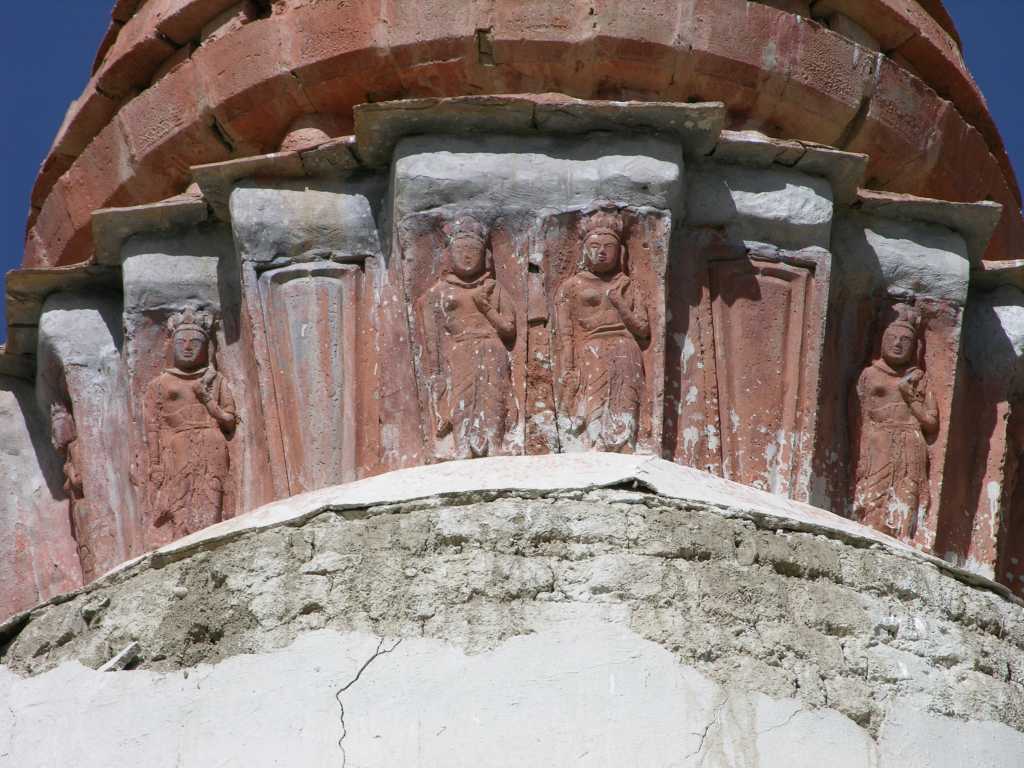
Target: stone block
{"x":379,"y":127}
{"x":254,"y":104}
{"x":292,"y":221}
{"x":914,"y":257}
{"x":495,"y":172}
{"x":169,"y":127}
{"x":132,"y":60}
{"x":181,"y":21}
{"x":786,"y":208}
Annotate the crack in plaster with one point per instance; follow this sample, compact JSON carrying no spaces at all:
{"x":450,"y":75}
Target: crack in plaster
{"x":716,"y":719}
{"x":381,"y":651}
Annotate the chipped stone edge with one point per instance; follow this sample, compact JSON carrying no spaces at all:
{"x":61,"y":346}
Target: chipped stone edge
{"x":975,"y":222}
{"x":28,"y":288}
{"x":575,"y":472}
{"x":111,"y":227}
{"x":845,"y":171}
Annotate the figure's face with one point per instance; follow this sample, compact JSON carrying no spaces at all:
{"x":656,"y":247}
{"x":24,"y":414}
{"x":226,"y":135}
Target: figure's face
{"x":468,"y":257}
{"x":191,"y":350}
{"x":898,"y":345}
{"x":603,"y":253}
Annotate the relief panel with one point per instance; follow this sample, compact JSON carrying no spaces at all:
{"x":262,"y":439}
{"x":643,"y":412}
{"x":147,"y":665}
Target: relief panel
{"x":604,"y":278}
{"x":761,"y":330}
{"x":464,"y":281}
{"x":893,"y":419}
{"x":312,"y":340}
{"x":189,"y":415}
{"x":81,"y":386}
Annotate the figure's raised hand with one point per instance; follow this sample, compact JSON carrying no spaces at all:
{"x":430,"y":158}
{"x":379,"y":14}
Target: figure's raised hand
{"x":617,"y":296}
{"x":482,"y":296}
{"x":910,"y":384}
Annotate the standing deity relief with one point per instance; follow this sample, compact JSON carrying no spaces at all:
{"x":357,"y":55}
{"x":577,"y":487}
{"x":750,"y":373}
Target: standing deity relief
{"x":91,"y":527}
{"x":893,"y":418}
{"x":467,"y":329}
{"x":601,"y":328}
{"x":190,"y":418}
{"x":586,"y":318}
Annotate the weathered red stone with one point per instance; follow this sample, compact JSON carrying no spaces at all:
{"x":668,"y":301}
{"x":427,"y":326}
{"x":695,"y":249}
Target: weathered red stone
{"x":776,"y":71}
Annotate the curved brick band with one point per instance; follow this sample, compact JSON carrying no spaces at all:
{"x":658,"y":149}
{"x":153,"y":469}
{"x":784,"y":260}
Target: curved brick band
{"x":186,"y":82}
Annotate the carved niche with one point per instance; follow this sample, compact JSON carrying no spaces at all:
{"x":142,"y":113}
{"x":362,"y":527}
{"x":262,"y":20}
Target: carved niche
{"x":893,"y":419}
{"x":92,"y":528}
{"x":604,"y":279}
{"x":190,"y":417}
{"x":759,"y":328}
{"x":463,"y":280}
{"x":310,"y":337}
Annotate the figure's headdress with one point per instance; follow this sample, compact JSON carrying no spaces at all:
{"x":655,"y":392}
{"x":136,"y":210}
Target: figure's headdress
{"x":191,"y":319}
{"x":61,"y":414}
{"x":59,"y":411}
{"x":602,"y":222}
{"x":465,"y":226}
{"x":906,"y":317}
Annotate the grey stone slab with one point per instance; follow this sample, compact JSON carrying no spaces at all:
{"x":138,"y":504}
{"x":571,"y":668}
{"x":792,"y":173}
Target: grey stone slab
{"x":380,"y":126}
{"x":844,"y":170}
{"x":330,"y":158}
{"x":296,"y":222}
{"x":27,"y":289}
{"x":901,"y":256}
{"x":534,"y":175}
{"x":781,"y":206}
{"x":111,"y":227}
{"x":167,"y":272}
{"x":992,"y":275}
{"x":217,"y":180}
{"x":975,"y":222}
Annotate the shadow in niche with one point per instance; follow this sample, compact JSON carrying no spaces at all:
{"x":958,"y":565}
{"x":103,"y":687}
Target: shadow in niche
{"x":37,"y":424}
{"x":991,"y":374}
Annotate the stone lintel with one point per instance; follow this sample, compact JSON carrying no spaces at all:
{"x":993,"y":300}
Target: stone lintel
{"x":27,"y":290}
{"x":216,"y":180}
{"x":379,"y":126}
{"x":845,"y":170}
{"x":111,"y":227}
{"x":976,"y":222}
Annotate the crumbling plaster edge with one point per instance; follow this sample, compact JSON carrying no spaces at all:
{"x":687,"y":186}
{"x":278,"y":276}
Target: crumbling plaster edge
{"x":597,"y":471}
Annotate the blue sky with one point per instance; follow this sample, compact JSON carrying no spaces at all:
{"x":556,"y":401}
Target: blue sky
{"x":50,"y":46}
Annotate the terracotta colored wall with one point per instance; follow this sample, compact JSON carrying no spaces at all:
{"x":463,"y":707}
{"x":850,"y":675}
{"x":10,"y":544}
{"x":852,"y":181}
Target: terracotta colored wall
{"x":182,"y":82}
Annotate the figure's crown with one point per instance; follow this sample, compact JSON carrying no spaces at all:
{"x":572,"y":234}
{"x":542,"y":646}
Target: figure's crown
{"x":908,"y":317}
{"x":604,"y":221}
{"x":191,"y":319}
{"x":465,"y":226}
{"x":59,"y":411}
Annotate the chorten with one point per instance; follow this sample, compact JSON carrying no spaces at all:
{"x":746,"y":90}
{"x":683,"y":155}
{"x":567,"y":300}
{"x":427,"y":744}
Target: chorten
{"x":517,"y":383}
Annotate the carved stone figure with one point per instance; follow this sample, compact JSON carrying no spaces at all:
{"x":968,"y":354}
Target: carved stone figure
{"x":893,"y":417}
{"x":467,"y":324}
{"x":94,"y":539}
{"x":189,"y":417}
{"x":601,"y":324}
